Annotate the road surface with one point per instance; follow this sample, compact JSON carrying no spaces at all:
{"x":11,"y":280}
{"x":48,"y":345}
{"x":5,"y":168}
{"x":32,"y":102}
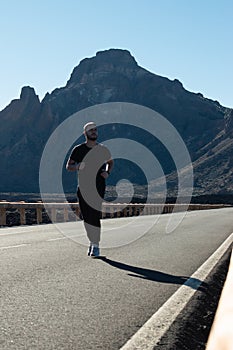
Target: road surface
{"x":55,"y":297}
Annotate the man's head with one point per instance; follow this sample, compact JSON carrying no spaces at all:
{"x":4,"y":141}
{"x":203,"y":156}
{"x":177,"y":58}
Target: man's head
{"x":90,"y":131}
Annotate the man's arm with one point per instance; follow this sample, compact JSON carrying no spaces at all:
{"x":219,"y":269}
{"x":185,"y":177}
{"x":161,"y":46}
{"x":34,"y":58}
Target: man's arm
{"x":71,"y":165}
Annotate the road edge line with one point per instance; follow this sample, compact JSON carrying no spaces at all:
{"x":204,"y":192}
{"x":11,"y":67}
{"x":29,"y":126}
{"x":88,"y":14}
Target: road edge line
{"x":153,"y":330}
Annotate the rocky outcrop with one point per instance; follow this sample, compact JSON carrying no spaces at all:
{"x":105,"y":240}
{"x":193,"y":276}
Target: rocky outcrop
{"x":229,"y":122}
{"x":20,"y":142}
{"x":112,"y":76}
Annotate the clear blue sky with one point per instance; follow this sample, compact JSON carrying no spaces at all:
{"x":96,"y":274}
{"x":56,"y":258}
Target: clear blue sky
{"x":43,"y":40}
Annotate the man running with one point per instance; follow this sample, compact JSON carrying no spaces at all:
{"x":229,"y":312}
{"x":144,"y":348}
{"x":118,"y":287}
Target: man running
{"x":94,"y":164}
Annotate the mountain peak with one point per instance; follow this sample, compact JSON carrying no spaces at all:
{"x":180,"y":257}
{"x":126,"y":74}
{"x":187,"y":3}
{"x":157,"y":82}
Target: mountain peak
{"x":116,"y":56}
{"x":28,"y":94}
{"x":107,"y":60}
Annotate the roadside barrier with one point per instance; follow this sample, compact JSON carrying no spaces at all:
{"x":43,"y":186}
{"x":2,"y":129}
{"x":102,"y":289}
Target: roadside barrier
{"x":221,"y":334}
{"x":35,"y":213}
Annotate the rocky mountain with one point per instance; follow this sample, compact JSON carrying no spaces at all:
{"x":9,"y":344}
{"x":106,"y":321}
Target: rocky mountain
{"x":114,"y":76}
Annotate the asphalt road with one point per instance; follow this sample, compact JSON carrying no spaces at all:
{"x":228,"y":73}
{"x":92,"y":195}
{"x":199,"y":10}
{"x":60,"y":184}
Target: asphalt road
{"x":55,"y":297}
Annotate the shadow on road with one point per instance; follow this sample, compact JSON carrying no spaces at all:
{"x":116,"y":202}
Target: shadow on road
{"x":156,"y":276}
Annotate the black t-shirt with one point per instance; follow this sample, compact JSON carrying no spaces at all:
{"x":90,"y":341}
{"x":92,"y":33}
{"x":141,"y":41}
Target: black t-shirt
{"x":93,"y":162}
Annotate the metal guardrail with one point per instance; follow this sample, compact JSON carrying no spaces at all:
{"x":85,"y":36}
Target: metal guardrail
{"x":109,"y":210}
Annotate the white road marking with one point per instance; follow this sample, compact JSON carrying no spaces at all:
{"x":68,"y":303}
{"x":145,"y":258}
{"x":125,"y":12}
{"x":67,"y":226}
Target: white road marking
{"x":55,"y":239}
{"x":148,"y":336}
{"x":6,"y":231}
{"x":67,"y":237}
{"x":14,"y":246}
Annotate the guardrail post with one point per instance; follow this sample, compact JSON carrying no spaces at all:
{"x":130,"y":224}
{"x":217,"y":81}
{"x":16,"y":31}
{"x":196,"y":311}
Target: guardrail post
{"x":130,"y":210}
{"x":53,"y":214}
{"x":39,"y":215}
{"x":119,"y":211}
{"x":66,"y":214}
{"x":112,"y":212}
{"x":104,"y":210}
{"x":140,"y":209}
{"x":22,"y":214}
{"x":145,"y":210}
{"x":125,"y":211}
{"x":77,"y":212}
{"x":3,"y":216}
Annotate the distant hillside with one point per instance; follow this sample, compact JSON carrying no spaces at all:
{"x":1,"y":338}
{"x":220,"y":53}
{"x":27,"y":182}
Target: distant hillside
{"x":114,"y":76}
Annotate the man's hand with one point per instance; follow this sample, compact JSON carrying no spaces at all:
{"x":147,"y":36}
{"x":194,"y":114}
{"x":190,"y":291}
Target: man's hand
{"x":105,"y":174}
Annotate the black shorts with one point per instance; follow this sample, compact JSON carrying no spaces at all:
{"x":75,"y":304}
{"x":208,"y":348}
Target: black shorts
{"x":91,"y":215}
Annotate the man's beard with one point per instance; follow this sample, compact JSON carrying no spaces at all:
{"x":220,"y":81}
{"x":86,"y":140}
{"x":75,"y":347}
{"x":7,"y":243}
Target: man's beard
{"x":92,"y":138}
